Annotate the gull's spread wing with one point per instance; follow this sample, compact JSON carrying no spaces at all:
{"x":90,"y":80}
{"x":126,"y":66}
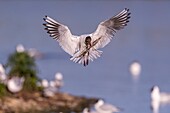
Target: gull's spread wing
{"x":106,"y":30}
{"x":62,"y":34}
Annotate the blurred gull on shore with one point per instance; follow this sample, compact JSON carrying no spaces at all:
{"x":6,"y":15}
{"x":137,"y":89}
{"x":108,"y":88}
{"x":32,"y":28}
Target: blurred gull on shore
{"x":20,"y":48}
{"x":32,"y":52}
{"x":102,"y":107}
{"x":135,"y":69}
{"x":44,"y":83}
{"x":52,"y":87}
{"x":48,"y":92}
{"x":3,"y":75}
{"x":15,"y":84}
{"x":158,"y":98}
{"x":59,"y":80}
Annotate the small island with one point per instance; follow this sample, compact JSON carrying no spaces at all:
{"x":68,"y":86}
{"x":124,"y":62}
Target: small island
{"x":29,"y":96}
{"x":35,"y":102}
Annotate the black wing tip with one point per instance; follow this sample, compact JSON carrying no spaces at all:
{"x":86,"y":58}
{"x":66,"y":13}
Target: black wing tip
{"x":129,"y":13}
{"x":45,"y":18}
{"x":45,"y":28}
{"x":44,"y":24}
{"x":127,"y":9}
{"x":128,"y":17}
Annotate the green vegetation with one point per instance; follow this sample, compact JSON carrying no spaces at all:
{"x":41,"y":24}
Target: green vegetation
{"x":3,"y":90}
{"x":22,"y":65}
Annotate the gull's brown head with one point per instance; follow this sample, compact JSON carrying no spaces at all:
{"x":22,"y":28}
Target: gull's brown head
{"x":88,"y":40}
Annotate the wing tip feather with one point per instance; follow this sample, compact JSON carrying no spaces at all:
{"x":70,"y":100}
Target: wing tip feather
{"x":127,"y":9}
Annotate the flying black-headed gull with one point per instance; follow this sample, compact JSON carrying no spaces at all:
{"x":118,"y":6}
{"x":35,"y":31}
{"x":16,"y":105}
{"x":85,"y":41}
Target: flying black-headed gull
{"x":84,"y":48}
{"x":102,"y":107}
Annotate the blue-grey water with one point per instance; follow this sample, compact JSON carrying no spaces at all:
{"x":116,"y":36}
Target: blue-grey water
{"x":145,"y":39}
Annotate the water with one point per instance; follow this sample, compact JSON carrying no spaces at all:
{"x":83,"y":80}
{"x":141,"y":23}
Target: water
{"x":146,"y":39}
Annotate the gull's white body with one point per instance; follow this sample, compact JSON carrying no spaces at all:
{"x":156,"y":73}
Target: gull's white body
{"x":52,"y":87}
{"x":58,"y":76}
{"x":158,"y":98}
{"x":3,"y":76}
{"x":15,"y":84}
{"x":102,"y":107}
{"x":20,"y":48}
{"x":50,"y":91}
{"x":49,"y":88}
{"x":84,"y":48}
{"x":135,"y":68}
{"x":58,"y":80}
{"x":44,"y":83}
{"x":161,"y":97}
{"x":2,"y":70}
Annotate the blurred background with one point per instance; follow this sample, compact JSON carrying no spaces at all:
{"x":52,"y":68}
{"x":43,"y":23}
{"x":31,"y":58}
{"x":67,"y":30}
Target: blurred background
{"x":145,"y":39}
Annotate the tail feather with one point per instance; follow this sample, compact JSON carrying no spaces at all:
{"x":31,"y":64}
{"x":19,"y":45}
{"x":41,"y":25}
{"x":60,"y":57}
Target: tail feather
{"x":85,"y":58}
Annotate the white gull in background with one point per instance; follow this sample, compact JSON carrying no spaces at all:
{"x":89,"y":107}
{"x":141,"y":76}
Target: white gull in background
{"x":135,"y":69}
{"x":158,"y":98}
{"x":161,"y":97}
{"x":20,"y":48}
{"x":15,"y":84}
{"x":102,"y":107}
{"x":58,"y":76}
{"x":32,"y":52}
{"x":49,"y":92}
{"x":2,"y":70}
{"x":52,"y":87}
{"x":3,"y":75}
{"x":84,"y":48}
{"x":44,"y":83}
{"x":58,"y":80}
{"x":48,"y":89}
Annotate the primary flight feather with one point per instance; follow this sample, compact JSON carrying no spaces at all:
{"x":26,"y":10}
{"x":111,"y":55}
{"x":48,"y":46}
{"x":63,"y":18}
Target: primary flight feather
{"x":84,"y":48}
